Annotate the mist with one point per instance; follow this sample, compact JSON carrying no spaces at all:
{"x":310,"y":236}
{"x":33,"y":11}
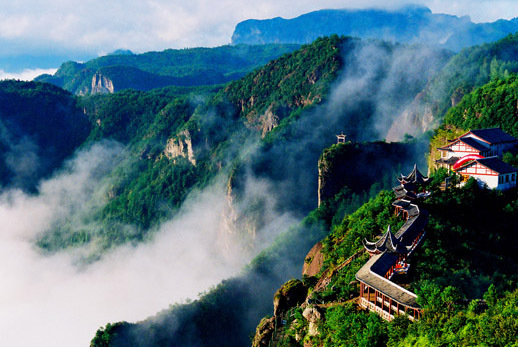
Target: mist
{"x":367,"y":102}
{"x":25,"y":74}
{"x":55,"y":300}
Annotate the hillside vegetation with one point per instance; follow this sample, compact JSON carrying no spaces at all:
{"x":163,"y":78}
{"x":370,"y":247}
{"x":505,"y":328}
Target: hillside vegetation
{"x":472,"y":68}
{"x":152,"y":182}
{"x":463,"y":274}
{"x":243,"y":110}
{"x":494,"y":104}
{"x":177,"y":67}
{"x":40,"y":126}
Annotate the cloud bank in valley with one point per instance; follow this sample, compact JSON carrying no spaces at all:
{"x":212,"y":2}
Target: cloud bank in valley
{"x":46,"y":300}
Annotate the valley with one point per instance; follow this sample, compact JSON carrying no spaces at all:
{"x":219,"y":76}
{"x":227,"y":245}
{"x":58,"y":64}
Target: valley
{"x":168,"y":197}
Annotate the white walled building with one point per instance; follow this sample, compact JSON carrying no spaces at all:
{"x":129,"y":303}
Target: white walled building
{"x":490,"y":172}
{"x":484,"y":142}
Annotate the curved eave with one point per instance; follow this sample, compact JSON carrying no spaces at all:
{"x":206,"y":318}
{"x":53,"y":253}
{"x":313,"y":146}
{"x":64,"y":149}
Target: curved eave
{"x":369,"y":277}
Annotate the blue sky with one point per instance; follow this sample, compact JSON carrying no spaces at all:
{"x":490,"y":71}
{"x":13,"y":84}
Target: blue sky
{"x":42,"y":32}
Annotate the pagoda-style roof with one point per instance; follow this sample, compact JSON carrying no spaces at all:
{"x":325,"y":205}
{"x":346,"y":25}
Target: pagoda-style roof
{"x":470,"y":141}
{"x":405,"y":191}
{"x":473,"y":143}
{"x":388,"y":242}
{"x":411,"y":229}
{"x":405,"y":205}
{"x":413,"y":177}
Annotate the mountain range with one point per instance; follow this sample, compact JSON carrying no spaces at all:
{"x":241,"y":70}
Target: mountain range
{"x":409,"y":24}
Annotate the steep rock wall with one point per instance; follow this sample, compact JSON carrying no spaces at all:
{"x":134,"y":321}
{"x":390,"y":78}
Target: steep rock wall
{"x":101,"y":85}
{"x":180,"y":146}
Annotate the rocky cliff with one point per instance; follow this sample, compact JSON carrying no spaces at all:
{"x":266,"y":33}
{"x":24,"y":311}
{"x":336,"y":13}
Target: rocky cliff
{"x":180,"y":146}
{"x":358,"y":165}
{"x":101,"y":85}
{"x":415,"y":120}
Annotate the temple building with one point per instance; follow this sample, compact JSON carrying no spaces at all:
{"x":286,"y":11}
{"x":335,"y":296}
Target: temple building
{"x":414,"y":177}
{"x":490,"y":172}
{"x":483,"y":142}
{"x":389,"y":254}
{"x":387,"y":242}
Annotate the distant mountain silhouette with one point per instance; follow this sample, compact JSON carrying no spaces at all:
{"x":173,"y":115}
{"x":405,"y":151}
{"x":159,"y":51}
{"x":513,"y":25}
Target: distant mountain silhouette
{"x":409,"y":24}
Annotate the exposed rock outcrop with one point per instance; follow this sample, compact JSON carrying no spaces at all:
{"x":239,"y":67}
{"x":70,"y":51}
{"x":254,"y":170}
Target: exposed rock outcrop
{"x":313,"y":315}
{"x":241,"y":220}
{"x":417,"y":118}
{"x":313,"y":261}
{"x":264,"y":332}
{"x":268,"y":121}
{"x":101,"y":84}
{"x":289,"y":295}
{"x":180,"y":146}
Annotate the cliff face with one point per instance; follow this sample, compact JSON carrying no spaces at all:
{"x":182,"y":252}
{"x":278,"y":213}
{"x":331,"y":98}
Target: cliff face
{"x":268,"y":121}
{"x":358,"y":165}
{"x":101,"y":85}
{"x":243,"y":214}
{"x":180,"y":146}
{"x":417,"y":118}
{"x":314,"y":261}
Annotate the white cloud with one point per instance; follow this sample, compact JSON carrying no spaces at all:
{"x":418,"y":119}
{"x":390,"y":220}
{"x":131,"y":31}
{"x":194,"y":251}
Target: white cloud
{"x":158,"y":24}
{"x":25,"y":75}
{"x":48,"y":301}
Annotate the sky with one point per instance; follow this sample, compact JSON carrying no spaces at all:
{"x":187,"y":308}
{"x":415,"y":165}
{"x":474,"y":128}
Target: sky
{"x":35,"y":34}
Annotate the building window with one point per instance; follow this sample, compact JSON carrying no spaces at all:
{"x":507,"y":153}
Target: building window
{"x":500,"y":179}
{"x":506,"y":178}
{"x":513,"y":177}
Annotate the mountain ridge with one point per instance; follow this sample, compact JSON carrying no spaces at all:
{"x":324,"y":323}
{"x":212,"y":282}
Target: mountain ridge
{"x":409,"y":24}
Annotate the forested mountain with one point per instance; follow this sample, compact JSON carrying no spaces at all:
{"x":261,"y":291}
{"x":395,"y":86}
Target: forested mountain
{"x":40,"y":126}
{"x":464,"y":272}
{"x":172,"y":67}
{"x":467,"y":70}
{"x":409,"y":24}
{"x":291,"y":109}
{"x":463,"y":275}
{"x":181,"y":143}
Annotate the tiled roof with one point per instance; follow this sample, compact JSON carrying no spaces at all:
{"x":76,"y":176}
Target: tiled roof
{"x":493,"y":135}
{"x":473,"y":143}
{"x":496,"y":164}
{"x":372,"y":274}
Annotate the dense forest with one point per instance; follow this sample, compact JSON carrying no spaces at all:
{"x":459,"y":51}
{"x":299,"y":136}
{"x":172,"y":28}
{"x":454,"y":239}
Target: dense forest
{"x":40,"y":126}
{"x":172,"y":67}
{"x":285,"y":122}
{"x":468,"y":283}
{"x":180,"y":139}
{"x":472,"y":68}
{"x":464,"y":275}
